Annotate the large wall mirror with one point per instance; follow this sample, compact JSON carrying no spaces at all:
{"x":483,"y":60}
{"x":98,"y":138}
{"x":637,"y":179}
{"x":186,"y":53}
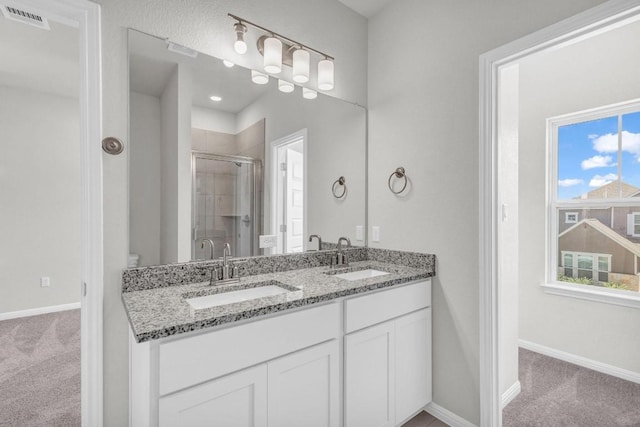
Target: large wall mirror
{"x":215,"y":158}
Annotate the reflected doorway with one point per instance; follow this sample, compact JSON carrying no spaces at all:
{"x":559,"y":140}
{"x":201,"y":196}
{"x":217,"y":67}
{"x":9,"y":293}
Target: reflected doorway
{"x":289,"y":192}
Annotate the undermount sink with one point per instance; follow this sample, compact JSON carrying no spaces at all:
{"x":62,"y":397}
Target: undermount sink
{"x":238,"y":293}
{"x":361,"y":274}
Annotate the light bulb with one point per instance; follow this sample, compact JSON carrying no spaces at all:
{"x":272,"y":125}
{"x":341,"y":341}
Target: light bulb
{"x":240,"y":45}
{"x":228,"y":63}
{"x":300,"y":66}
{"x":215,"y":98}
{"x":325,"y":74}
{"x":272,"y":55}
{"x":285,"y":86}
{"x":259,"y":78}
{"x":309,"y":93}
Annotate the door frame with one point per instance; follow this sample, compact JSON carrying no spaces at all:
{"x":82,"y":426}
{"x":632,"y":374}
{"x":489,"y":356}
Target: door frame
{"x":85,"y":16}
{"x":274,"y":146}
{"x":585,"y":24}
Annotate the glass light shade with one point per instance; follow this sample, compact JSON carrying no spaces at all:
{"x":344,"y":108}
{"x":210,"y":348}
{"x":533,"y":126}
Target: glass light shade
{"x":272,"y":55}
{"x":259,"y":78}
{"x":309,"y":93}
{"x":325,"y":74}
{"x":240,"y":46}
{"x":300,"y":66}
{"x":285,"y":86}
{"x":228,"y":63}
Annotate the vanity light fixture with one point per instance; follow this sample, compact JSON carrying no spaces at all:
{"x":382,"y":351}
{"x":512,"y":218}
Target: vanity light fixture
{"x":309,"y":93}
{"x":301,"y":65}
{"x":279,"y":50}
{"x":215,"y":98}
{"x":272,"y":55}
{"x":259,"y":78}
{"x":325,"y":74}
{"x":285,"y":86}
{"x":228,"y":63}
{"x":240,"y":45}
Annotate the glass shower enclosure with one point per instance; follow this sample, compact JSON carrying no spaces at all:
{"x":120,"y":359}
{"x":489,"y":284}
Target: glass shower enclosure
{"x":227,"y":194}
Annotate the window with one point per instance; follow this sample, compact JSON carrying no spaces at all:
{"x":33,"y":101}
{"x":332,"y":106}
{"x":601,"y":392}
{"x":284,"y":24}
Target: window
{"x":594,"y":200}
{"x":585,"y":267}
{"x":571,"y":217}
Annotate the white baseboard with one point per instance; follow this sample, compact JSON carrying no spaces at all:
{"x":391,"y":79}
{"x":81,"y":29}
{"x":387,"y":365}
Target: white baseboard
{"x":447,"y":416}
{"x":41,"y":310}
{"x":604,"y":368}
{"x":511,"y":393}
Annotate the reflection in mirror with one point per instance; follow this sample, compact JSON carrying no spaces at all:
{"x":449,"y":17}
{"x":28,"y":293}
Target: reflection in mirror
{"x":216,"y":158}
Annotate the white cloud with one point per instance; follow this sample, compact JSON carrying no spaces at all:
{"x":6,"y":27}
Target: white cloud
{"x":597,"y":162}
{"x":608,"y":143}
{"x":570,"y":182}
{"x":599,"y":181}
{"x":593,"y":136}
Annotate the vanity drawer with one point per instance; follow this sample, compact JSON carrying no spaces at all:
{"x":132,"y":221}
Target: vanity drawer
{"x":193,"y":360}
{"x":368,"y":310}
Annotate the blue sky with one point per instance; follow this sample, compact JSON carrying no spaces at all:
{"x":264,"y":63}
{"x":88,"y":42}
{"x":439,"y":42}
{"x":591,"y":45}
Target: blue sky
{"x":588,"y":154}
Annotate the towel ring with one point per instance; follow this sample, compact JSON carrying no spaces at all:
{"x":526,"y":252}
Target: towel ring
{"x":340,"y":182}
{"x":399,"y":173}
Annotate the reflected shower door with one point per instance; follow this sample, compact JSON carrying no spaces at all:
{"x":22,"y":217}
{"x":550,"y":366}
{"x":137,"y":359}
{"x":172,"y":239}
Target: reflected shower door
{"x":225,"y":204}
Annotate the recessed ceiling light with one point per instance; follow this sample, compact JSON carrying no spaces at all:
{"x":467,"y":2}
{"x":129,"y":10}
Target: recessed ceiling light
{"x":215,"y":98}
{"x":228,"y":63}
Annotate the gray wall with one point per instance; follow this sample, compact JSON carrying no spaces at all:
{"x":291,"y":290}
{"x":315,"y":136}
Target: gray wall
{"x":423,"y":100}
{"x":559,"y":82}
{"x":39,"y":198}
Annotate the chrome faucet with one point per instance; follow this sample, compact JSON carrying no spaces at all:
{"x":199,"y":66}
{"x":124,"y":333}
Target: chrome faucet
{"x":230,"y":273}
{"x":210,"y":243}
{"x":317,"y":236}
{"x":341,"y":258}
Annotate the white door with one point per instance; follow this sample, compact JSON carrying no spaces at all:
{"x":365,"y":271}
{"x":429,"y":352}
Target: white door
{"x":413,"y":363}
{"x":304,"y":388}
{"x":236,"y":400}
{"x":369,"y":370}
{"x":295,"y":201}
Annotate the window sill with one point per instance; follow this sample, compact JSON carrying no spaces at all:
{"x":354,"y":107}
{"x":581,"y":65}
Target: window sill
{"x":590,"y":293}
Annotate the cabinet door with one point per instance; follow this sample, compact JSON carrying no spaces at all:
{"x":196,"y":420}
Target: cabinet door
{"x":304,"y":388}
{"x":369,"y":370}
{"x":236,"y":400}
{"x":413,"y":363}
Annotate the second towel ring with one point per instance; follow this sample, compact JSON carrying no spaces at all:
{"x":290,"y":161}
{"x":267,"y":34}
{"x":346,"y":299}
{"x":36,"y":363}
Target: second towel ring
{"x":340,"y":182}
{"x":398,"y":173}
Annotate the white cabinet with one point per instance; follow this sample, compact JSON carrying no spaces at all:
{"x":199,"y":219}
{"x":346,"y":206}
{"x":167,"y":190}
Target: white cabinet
{"x":387,"y":366}
{"x":369,"y":377}
{"x":304,"y":388}
{"x":413,"y":363}
{"x":236,"y":400}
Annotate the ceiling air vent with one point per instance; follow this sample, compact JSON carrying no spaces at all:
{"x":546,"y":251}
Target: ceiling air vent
{"x":25,"y":17}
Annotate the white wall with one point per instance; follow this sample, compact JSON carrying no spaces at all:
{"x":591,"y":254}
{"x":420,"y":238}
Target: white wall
{"x":144,"y":177}
{"x":40,"y":199}
{"x":423,"y":113}
{"x":202,"y":25}
{"x":589,"y":74}
{"x":215,"y":120}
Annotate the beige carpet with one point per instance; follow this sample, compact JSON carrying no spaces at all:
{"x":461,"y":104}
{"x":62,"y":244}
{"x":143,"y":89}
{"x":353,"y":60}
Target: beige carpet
{"x":556,"y":393}
{"x":40,"y":370}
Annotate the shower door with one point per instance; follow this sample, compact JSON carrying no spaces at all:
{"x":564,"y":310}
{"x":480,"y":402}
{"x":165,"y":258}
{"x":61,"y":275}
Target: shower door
{"x":227,"y":191}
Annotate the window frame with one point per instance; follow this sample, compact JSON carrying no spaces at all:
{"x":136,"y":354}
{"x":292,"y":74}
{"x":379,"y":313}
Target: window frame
{"x":595,"y":262}
{"x":553,"y":207}
{"x":568,"y":221}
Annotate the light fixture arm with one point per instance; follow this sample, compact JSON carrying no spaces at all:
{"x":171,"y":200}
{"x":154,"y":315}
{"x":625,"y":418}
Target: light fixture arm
{"x":280,"y":36}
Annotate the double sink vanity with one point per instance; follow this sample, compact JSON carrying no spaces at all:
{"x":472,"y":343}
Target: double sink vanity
{"x":294,"y":342}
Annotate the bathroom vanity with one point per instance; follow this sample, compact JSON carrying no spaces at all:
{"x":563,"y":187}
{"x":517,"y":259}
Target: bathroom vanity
{"x":339,"y":347}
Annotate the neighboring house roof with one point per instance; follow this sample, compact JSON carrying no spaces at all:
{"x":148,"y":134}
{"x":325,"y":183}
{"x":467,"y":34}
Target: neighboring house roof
{"x":607,"y":232}
{"x":610,"y":191}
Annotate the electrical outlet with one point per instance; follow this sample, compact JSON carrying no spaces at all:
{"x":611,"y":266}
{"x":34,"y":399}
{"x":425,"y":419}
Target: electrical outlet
{"x":268,"y":241}
{"x":375,"y":231}
{"x":359,"y":233}
{"x":45,"y":282}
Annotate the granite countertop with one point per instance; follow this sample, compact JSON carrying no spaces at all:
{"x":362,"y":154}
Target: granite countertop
{"x":163,"y":311}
